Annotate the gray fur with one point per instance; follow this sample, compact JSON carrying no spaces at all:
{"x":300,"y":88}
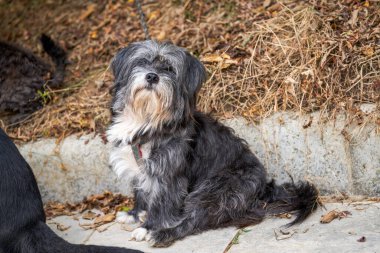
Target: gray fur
{"x":197,"y":174}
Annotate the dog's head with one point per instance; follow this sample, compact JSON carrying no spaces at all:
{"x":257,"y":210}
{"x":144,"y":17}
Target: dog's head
{"x":157,"y":83}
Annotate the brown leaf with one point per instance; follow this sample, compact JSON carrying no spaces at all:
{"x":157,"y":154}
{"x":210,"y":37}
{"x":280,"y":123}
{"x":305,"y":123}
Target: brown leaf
{"x":266,"y":3}
{"x":284,"y":215}
{"x":89,"y":215}
{"x":368,"y":51}
{"x":105,"y":218}
{"x":90,"y":9}
{"x":94,"y":35}
{"x":62,"y":227}
{"x":332,"y":215}
{"x":212,"y":58}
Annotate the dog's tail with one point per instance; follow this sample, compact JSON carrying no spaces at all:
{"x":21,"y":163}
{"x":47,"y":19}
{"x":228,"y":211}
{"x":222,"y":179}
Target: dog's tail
{"x":59,"y":57}
{"x":41,"y":239}
{"x":301,"y":198}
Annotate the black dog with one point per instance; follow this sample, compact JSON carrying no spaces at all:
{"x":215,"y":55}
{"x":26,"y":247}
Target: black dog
{"x":22,"y":218}
{"x":23,"y":75}
{"x":190,"y":172}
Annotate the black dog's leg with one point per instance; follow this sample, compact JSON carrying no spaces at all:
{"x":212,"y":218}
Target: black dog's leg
{"x":22,"y":218}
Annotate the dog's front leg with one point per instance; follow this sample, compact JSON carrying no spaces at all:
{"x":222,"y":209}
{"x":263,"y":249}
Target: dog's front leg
{"x":164,"y":210}
{"x":165,"y":186}
{"x":138,"y":213}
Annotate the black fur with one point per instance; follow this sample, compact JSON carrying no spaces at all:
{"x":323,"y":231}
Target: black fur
{"x":198,"y":174}
{"x":23,"y":74}
{"x":22,"y":218}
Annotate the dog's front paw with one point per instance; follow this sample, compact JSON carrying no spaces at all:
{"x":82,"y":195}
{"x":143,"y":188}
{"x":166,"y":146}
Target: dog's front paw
{"x":124,"y":217}
{"x":139,"y":234}
{"x":160,"y":239}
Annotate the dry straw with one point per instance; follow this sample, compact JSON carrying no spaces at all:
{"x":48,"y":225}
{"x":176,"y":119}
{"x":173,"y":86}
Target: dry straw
{"x":303,"y":56}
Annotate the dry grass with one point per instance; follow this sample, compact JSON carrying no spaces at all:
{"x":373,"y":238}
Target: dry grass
{"x":290,"y":55}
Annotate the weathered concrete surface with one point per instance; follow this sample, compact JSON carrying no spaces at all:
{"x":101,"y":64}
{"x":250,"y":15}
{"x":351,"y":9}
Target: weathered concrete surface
{"x":311,"y":236}
{"x":114,"y":235}
{"x":73,"y":169}
{"x":336,"y":157}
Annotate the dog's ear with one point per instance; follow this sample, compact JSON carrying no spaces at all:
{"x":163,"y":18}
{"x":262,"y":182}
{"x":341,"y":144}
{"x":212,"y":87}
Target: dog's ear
{"x":194,"y":76}
{"x":120,"y":63}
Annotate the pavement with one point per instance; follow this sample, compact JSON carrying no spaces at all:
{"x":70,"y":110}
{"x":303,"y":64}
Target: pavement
{"x":357,"y":231}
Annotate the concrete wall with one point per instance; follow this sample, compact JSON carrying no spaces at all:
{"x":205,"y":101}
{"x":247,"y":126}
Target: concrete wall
{"x":337,"y":158}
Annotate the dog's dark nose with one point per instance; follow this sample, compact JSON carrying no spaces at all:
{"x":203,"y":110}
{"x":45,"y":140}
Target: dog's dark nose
{"x":152,"y":78}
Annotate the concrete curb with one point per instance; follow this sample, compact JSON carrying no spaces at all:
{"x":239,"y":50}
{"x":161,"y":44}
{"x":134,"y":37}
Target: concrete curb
{"x":334,"y":156}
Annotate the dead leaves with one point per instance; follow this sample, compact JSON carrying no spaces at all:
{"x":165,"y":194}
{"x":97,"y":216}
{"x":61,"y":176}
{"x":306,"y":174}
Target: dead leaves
{"x":90,"y":9}
{"x":223,"y":60}
{"x":368,"y":51}
{"x":98,"y":209}
{"x":338,"y":43}
{"x":106,"y":203}
{"x":89,"y":215}
{"x":98,"y":221}
{"x":334,"y":214}
{"x":105,"y":219}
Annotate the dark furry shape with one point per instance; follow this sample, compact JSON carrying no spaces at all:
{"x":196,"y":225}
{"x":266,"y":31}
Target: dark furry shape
{"x":22,"y":74}
{"x":195,"y":173}
{"x":22,"y":218}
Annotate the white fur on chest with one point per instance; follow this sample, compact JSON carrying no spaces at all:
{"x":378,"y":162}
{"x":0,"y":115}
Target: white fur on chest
{"x":122,"y":159}
{"x":124,"y":163}
{"x":126,"y":167}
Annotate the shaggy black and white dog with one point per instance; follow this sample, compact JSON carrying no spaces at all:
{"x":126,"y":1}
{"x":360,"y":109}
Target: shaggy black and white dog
{"x":190,"y":173}
{"x":22,"y":218}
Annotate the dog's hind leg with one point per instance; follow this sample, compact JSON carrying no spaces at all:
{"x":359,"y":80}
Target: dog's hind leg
{"x":212,"y":206}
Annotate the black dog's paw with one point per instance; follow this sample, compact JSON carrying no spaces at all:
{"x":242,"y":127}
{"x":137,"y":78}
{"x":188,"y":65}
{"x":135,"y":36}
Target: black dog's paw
{"x":160,"y":238}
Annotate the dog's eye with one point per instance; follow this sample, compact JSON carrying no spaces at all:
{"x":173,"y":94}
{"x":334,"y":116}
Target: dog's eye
{"x":167,"y":69}
{"x":170,"y":69}
{"x":144,"y":61}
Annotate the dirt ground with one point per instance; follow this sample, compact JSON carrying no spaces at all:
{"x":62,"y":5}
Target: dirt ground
{"x":261,"y":56}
